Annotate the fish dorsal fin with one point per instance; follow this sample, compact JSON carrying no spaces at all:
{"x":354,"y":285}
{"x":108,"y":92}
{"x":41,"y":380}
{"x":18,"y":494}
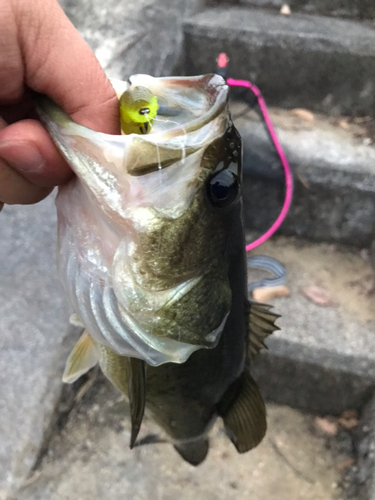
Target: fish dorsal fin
{"x":261,"y":324}
{"x":245,"y":417}
{"x":82,"y":358}
{"x":136,"y":380}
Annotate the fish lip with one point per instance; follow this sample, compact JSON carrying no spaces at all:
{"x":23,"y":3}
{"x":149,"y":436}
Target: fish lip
{"x":154,"y":84}
{"x":46,"y":107}
{"x":161,"y":148}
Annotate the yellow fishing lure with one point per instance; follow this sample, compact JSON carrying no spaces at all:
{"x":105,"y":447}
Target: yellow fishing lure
{"x":138,"y":108}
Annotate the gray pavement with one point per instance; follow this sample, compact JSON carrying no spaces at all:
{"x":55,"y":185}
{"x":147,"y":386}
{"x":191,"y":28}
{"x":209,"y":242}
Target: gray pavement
{"x":364,"y":476}
{"x":363,"y":9}
{"x":133,"y":37}
{"x":34,"y":338}
{"x":91,"y":460}
{"x":323,"y":358}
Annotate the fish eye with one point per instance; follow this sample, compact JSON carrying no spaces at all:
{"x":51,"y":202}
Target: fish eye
{"x":144,"y":111}
{"x":223,"y":188}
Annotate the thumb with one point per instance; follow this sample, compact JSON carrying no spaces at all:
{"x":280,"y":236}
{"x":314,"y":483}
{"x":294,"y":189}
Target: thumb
{"x":60,"y":64}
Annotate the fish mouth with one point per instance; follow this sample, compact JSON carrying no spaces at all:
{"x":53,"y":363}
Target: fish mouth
{"x":127,"y":187}
{"x":115,"y":168}
{"x":171,"y":140}
{"x":196,"y":105}
{"x":192,"y":101}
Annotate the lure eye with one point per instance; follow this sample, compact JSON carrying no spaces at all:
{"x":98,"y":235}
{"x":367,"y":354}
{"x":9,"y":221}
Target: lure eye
{"x":144,"y":111}
{"x":223,"y":188}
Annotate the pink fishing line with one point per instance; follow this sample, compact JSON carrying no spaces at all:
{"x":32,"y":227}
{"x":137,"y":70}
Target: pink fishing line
{"x":288,"y":174}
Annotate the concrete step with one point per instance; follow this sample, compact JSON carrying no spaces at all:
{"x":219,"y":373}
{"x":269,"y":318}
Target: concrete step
{"x":321,"y":63}
{"x":323,"y":358}
{"x":333,"y":164}
{"x":360,"y":9}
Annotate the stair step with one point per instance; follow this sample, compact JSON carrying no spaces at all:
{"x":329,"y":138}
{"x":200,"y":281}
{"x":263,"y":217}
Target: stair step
{"x":321,"y":63}
{"x":362,"y":9}
{"x":323,"y":358}
{"x":334,"y":172}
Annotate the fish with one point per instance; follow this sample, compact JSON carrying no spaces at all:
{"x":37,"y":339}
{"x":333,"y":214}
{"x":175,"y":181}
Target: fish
{"x":151,"y":253}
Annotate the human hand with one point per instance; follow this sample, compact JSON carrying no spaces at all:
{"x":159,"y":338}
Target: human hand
{"x":40,"y":50}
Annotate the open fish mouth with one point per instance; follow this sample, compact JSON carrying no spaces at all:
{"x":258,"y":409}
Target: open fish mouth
{"x":142,"y":251}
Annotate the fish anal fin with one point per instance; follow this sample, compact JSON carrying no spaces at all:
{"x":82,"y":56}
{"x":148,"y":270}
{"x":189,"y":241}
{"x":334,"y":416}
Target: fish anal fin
{"x":136,"y":380}
{"x":261,"y":325}
{"x":193,"y":452}
{"x":82,"y":358}
{"x":245,"y":418}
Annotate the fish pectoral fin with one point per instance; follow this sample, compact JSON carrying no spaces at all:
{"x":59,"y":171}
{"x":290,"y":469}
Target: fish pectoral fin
{"x":82,"y":358}
{"x":136,"y":379}
{"x":261,"y":325}
{"x":245,"y":416}
{"x":193,"y":452}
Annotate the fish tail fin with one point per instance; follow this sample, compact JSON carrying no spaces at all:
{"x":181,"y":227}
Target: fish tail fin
{"x":193,"y":452}
{"x":261,"y":324}
{"x":244,"y":414}
{"x":83,"y":357}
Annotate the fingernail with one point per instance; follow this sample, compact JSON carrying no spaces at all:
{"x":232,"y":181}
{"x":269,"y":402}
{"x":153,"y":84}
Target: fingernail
{"x":22,"y":156}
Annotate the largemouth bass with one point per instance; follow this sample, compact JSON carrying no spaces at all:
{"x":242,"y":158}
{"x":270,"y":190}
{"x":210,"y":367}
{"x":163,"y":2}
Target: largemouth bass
{"x":151,"y":254}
